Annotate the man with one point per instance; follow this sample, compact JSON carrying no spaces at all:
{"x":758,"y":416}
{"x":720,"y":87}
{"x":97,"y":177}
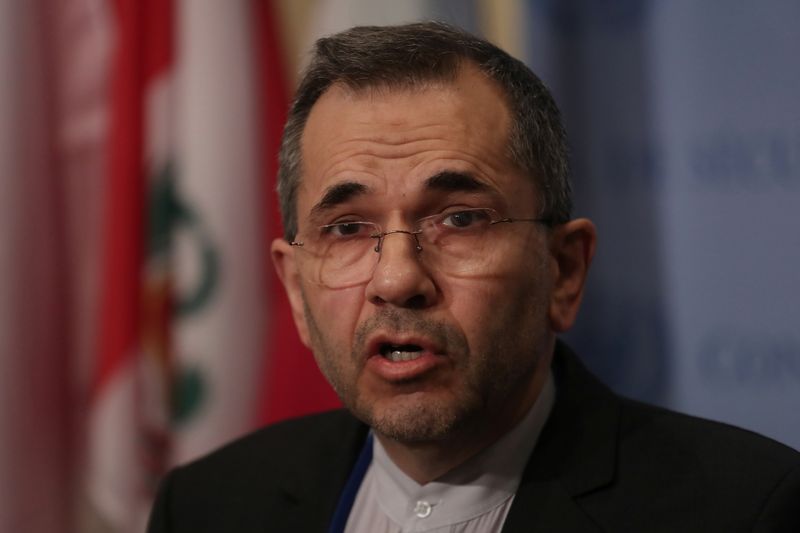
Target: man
{"x":430,"y":260}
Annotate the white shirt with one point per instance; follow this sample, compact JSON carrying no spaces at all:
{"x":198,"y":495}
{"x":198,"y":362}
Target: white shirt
{"x":474,"y":497}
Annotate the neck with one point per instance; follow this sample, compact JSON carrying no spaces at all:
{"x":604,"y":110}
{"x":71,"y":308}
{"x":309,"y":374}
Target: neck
{"x":426,"y":461}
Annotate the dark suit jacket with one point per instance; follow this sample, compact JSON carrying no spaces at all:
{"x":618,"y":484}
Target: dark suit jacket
{"x":603,"y":463}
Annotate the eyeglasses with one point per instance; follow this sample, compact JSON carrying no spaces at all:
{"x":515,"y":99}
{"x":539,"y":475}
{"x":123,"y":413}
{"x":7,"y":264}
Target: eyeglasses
{"x":457,"y":243}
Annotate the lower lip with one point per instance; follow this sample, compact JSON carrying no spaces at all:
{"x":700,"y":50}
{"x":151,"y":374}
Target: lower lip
{"x":403,"y":370}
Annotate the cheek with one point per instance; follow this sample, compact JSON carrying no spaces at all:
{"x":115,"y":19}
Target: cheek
{"x":480,"y":307}
{"x":337,"y":312}
{"x":475,"y":304}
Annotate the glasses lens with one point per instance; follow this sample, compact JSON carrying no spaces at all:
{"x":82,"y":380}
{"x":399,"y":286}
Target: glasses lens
{"x":343,"y":253}
{"x":463,"y":243}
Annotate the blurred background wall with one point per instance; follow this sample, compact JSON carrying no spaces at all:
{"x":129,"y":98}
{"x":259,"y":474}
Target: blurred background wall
{"x":141,"y":324}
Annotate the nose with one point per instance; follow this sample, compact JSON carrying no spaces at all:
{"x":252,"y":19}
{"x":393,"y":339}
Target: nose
{"x":400,"y":278}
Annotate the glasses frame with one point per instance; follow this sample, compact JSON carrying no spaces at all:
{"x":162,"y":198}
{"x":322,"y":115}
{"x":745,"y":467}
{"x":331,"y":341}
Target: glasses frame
{"x":379,"y":234}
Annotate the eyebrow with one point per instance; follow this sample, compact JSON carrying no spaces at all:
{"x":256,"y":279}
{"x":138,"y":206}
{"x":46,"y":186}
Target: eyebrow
{"x":446,"y":181}
{"x":337,"y":194}
{"x":451,"y":181}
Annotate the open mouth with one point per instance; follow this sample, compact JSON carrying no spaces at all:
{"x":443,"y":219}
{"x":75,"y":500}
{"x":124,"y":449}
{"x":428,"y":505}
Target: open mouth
{"x":400,"y":352}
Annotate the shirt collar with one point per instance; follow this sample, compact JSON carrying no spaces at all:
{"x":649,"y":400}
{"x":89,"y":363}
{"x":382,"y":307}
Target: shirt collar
{"x":471,"y":489}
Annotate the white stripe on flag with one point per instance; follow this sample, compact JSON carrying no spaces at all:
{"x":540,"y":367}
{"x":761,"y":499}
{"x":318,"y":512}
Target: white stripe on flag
{"x":222,"y":339}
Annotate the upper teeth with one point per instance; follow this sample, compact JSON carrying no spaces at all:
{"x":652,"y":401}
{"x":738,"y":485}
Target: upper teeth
{"x":397,"y":355}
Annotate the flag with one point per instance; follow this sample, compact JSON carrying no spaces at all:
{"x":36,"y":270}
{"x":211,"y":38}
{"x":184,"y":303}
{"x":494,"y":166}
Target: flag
{"x":128,"y":432}
{"x":184,"y":298}
{"x":181,"y":338}
{"x":34,"y":395}
{"x":220,"y":256}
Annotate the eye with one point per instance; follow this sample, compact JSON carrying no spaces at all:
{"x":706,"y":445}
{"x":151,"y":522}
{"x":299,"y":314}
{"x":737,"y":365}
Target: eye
{"x":342,"y":230}
{"x":471,"y":218}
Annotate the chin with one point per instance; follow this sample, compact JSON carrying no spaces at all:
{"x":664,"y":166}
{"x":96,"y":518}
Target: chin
{"x":415,"y":419}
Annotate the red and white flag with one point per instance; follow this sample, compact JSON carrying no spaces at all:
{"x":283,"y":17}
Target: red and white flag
{"x":196,"y":345}
{"x":128,"y":427}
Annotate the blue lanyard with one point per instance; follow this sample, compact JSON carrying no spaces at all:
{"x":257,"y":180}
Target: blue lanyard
{"x":345,"y":504}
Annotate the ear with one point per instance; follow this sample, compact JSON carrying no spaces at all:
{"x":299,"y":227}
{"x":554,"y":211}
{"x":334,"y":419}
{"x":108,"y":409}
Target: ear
{"x":572,"y":248}
{"x":283,"y":257}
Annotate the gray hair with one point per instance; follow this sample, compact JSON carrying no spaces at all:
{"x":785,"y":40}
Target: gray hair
{"x":411,"y":56}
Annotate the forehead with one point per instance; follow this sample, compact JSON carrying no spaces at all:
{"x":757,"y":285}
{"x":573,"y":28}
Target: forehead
{"x":392,"y":140}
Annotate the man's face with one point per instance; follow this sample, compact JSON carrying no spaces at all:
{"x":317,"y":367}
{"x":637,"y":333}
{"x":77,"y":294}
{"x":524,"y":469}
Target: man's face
{"x":475,"y":345}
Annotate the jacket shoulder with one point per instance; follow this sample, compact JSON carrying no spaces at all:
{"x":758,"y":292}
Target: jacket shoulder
{"x":683,"y":436}
{"x":282,"y":477}
{"x":717,"y":476}
{"x":638,"y":467}
{"x":272,"y":445}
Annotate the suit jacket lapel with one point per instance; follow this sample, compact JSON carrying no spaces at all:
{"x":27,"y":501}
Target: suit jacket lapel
{"x":310,"y":489}
{"x":576,"y":453}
